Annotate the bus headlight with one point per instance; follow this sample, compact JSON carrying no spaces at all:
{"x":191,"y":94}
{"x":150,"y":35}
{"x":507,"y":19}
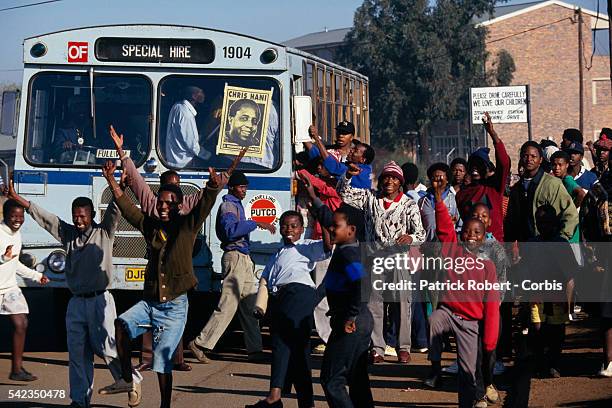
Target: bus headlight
{"x":38,"y":50}
{"x":268,"y":56}
{"x":56,"y":261}
{"x":40,"y":268}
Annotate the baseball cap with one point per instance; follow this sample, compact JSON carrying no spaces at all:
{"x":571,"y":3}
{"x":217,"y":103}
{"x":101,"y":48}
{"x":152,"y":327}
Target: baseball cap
{"x":345,"y":128}
{"x":574,"y":147}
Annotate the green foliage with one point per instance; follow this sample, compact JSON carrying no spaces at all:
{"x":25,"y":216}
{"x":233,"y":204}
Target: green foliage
{"x":421,"y":60}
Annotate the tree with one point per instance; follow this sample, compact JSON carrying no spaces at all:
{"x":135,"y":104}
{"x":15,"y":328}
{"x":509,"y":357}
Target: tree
{"x":503,"y":68}
{"x":421,"y":60}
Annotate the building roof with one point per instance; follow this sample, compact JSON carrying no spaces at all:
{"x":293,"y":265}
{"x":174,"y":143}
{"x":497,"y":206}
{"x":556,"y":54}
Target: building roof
{"x":327,"y":37}
{"x":502,"y":12}
{"x":508,"y":11}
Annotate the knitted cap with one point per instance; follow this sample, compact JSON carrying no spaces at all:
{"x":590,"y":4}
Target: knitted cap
{"x":392,"y":169}
{"x":482,"y":153}
{"x":604,"y":143}
{"x":238,"y":179}
{"x":605,"y":140}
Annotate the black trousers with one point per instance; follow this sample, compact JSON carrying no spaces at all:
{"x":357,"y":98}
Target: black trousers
{"x":345,"y":363}
{"x":486,"y":363}
{"x":291,"y":323}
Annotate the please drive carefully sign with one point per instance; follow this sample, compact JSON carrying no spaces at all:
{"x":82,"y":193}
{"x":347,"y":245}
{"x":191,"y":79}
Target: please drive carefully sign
{"x":505,"y":104}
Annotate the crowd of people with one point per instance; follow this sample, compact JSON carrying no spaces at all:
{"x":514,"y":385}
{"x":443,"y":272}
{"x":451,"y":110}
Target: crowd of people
{"x":321,"y":277}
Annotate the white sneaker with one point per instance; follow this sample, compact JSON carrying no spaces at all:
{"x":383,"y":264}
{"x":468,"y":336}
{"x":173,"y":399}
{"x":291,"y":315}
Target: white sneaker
{"x":481,"y":403}
{"x":606,"y":372}
{"x":499,"y":368}
{"x":135,"y":396}
{"x":320,"y":349}
{"x":390,"y":351}
{"x":451,"y":369}
{"x":491,"y":394}
{"x":118,"y":387}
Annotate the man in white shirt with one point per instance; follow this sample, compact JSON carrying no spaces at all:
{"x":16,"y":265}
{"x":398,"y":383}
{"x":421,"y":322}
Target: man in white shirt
{"x":182,"y":137}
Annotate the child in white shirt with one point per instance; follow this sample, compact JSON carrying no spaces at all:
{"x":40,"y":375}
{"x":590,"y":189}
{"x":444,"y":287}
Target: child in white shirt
{"x":12,"y":302}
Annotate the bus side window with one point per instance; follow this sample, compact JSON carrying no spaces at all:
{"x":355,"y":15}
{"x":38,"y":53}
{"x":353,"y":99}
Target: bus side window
{"x":321,"y":104}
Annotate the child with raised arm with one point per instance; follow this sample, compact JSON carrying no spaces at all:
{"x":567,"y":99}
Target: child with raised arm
{"x":459,"y":310}
{"x":12,"y":302}
{"x":489,"y":190}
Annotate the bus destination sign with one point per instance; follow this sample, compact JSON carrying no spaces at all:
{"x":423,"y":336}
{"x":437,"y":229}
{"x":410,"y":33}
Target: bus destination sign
{"x":176,"y":50}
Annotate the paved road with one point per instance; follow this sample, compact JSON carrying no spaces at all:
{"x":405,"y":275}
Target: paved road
{"x":233,"y":382}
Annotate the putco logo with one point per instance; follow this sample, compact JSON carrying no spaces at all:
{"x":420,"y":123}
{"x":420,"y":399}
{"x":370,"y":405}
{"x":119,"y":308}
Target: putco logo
{"x":263,"y":208}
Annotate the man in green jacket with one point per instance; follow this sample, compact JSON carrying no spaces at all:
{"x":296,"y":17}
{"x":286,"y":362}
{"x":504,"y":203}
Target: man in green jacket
{"x":169,"y":275}
{"x":534,"y":189}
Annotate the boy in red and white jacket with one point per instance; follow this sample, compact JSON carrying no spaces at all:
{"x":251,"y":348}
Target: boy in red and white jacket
{"x":460,"y":311}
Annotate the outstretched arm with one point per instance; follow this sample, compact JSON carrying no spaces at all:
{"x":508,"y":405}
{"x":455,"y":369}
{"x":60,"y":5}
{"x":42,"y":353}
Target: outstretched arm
{"x":502,"y":160}
{"x":312,"y":131}
{"x":11,"y":194}
{"x":137,"y":183}
{"x":445,"y":228}
{"x":130,"y":212}
{"x":50,"y":222}
{"x":320,"y":211}
{"x":215,"y":183}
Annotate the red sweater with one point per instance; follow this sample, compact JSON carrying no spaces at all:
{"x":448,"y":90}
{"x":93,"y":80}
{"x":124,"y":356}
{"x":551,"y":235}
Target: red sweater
{"x":469,"y":304}
{"x":490,"y":191}
{"x":327,"y":194}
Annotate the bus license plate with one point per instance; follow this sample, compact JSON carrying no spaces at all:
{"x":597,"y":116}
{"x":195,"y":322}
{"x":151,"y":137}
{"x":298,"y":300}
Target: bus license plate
{"x":134,"y":274}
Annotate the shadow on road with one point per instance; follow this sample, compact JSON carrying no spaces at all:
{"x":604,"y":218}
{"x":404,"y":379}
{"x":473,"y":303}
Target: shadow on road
{"x":31,"y":404}
{"x":48,"y":361}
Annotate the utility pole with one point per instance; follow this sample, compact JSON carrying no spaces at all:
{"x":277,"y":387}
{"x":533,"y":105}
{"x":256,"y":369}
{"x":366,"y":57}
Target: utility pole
{"x":580,"y":70}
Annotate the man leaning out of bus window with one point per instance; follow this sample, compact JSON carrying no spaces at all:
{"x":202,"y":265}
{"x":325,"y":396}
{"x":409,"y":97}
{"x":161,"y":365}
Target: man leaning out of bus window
{"x":91,"y":310}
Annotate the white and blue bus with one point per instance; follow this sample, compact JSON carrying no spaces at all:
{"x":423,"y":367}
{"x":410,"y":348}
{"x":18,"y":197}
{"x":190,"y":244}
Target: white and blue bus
{"x":77,"y":82}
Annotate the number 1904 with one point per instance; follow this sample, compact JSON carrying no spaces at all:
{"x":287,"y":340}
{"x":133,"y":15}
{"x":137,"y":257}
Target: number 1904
{"x":236,"y":52}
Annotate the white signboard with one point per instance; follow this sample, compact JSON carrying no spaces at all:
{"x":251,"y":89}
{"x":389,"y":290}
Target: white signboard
{"x":505,"y":104}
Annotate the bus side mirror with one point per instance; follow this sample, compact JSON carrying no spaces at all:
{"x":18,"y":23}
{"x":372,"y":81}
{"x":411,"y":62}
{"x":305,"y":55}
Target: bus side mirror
{"x":8,"y":115}
{"x":302,"y":119}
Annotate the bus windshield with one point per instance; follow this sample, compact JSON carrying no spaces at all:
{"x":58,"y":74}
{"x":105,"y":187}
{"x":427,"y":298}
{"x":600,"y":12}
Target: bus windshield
{"x":206,"y":120}
{"x":60,"y":128}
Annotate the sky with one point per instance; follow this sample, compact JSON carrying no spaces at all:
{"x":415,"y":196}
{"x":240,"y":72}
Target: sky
{"x":274,"y":20}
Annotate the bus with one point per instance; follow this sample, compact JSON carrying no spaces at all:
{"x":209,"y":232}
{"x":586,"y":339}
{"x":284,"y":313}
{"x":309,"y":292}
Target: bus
{"x":77,"y":82}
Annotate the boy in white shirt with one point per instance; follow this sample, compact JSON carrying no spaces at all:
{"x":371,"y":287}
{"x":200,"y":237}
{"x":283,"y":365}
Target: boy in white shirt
{"x":12,"y":302}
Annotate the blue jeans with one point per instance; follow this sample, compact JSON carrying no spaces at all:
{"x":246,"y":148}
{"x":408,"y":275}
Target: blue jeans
{"x":166,"y":320}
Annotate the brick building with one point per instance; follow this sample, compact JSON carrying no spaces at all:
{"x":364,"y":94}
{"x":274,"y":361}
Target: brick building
{"x":543,"y":39}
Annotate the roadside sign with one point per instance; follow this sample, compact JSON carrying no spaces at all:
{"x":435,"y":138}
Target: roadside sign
{"x":505,"y":104}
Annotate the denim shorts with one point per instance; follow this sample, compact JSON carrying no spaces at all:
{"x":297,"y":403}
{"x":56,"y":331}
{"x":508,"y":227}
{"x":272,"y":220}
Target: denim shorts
{"x":167,"y":322}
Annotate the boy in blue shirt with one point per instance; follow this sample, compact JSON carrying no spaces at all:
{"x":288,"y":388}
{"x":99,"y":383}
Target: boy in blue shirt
{"x":291,"y":304}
